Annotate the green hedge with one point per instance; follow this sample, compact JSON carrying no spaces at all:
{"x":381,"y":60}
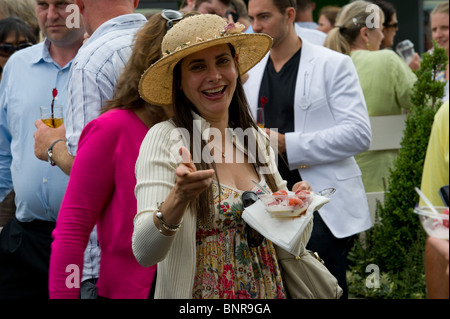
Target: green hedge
{"x":396,"y":242}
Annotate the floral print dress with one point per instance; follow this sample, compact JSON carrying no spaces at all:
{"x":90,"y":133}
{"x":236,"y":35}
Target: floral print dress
{"x":226,"y":266}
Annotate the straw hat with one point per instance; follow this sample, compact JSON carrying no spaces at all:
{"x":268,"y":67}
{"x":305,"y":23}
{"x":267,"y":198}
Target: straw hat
{"x":194,"y":34}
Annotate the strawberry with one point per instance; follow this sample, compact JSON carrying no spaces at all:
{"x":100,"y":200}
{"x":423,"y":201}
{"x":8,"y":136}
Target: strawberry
{"x":280,"y":192}
{"x":293,"y":201}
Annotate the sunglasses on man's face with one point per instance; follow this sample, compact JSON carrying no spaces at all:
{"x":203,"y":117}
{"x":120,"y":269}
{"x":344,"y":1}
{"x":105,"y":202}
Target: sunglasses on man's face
{"x":254,"y":238}
{"x":6,"y":50}
{"x":171,"y":15}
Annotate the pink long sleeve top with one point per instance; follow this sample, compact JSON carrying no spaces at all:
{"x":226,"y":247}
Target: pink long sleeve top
{"x":101,"y":191}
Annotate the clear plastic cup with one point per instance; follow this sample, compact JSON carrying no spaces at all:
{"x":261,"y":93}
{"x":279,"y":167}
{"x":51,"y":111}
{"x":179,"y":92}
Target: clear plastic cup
{"x":52,"y":117}
{"x":406,"y":50}
{"x":287,"y":205}
{"x":435,"y":225}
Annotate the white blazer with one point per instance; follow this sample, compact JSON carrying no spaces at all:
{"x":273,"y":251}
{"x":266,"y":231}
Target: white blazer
{"x":331,"y":126}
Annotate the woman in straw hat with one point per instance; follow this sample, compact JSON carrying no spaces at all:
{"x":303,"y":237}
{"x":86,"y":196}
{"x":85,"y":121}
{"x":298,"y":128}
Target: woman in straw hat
{"x":102,"y":180}
{"x":193,"y":169}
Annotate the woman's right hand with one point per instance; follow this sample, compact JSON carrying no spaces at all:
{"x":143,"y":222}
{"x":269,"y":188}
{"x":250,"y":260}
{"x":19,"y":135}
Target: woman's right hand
{"x":190,"y":182}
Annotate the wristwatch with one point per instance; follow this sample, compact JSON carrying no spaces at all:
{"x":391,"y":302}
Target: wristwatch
{"x":50,"y":151}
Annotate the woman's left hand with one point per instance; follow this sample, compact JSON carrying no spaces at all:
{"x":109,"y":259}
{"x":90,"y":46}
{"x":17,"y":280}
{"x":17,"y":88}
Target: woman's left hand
{"x":415,"y":62}
{"x":301,"y":186}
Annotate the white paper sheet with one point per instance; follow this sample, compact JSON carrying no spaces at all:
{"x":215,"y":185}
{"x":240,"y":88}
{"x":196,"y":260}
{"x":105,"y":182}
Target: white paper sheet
{"x":284,"y":232}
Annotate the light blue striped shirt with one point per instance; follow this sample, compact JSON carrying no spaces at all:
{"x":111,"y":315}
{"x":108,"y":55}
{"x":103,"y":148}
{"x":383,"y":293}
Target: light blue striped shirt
{"x":95,"y":71}
{"x":93,"y":78}
{"x":28,"y":80}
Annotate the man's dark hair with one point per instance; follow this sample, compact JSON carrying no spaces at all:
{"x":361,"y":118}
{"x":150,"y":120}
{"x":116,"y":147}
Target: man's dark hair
{"x":282,"y":5}
{"x":303,"y":5}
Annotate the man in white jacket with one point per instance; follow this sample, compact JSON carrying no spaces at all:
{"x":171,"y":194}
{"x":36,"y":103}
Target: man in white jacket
{"x":313,"y":97}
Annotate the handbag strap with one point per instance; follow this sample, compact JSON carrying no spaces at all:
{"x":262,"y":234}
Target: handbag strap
{"x":283,"y":254}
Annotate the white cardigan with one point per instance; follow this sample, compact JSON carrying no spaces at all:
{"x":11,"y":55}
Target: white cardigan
{"x":175,"y":255}
{"x":331,"y":126}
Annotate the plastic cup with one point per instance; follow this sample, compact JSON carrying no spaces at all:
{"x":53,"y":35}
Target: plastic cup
{"x":52,"y":118}
{"x":406,"y":50}
{"x":435,"y":225}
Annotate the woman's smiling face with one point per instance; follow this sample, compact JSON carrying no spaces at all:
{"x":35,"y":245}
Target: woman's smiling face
{"x":439,"y":28}
{"x":208,"y":79}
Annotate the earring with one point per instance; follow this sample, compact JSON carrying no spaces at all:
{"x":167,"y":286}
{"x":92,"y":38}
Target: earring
{"x":367,"y":44}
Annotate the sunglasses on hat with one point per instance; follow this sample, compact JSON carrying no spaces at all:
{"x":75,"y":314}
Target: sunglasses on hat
{"x":171,"y":15}
{"x":6,"y":50}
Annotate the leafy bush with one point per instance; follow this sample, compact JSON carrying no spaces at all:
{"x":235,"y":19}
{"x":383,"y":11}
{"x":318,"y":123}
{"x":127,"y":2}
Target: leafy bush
{"x":396,"y":242}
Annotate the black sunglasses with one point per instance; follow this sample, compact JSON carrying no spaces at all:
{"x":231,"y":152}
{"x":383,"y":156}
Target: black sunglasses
{"x":254,"y":238}
{"x":171,"y":15}
{"x":6,"y":50}
{"x":393,"y":25}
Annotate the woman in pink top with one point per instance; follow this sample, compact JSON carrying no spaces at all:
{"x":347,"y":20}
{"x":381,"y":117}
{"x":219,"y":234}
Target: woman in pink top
{"x":102,"y":181}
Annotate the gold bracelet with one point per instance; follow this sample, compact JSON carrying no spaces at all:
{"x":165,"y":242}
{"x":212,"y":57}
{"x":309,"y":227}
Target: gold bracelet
{"x":162,"y":223}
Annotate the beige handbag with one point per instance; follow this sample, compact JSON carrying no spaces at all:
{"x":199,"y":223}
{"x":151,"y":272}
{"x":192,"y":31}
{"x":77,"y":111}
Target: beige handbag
{"x":306,"y":277}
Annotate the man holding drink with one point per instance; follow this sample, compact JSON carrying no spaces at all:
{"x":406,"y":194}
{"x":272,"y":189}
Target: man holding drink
{"x":29,"y":80}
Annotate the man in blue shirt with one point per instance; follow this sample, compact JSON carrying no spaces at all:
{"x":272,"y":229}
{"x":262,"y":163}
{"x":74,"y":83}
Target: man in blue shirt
{"x":29,"y":79}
